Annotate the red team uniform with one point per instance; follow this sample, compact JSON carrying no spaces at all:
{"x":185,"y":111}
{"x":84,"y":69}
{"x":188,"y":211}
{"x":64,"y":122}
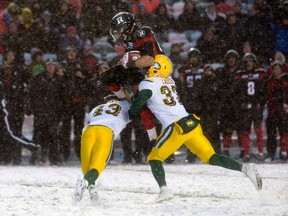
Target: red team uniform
{"x":250,"y":90}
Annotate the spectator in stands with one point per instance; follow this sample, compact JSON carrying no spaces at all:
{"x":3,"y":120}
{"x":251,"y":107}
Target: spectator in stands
{"x":74,"y":96}
{"x":277,"y":103}
{"x":48,"y":88}
{"x":25,"y":27}
{"x":70,"y":39}
{"x":12,"y":40}
{"x":143,"y":16}
{"x":190,"y":21}
{"x":11,"y":13}
{"x":246,"y":48}
{"x":93,"y":20}
{"x":37,"y":8}
{"x":281,"y":35}
{"x":258,"y":27}
{"x":64,"y":16}
{"x":47,"y":21}
{"x":39,"y":37}
{"x":213,"y":19}
{"x":232,"y":33}
{"x":177,"y":59}
{"x":211,"y":47}
{"x":163,"y":23}
{"x":150,"y":6}
{"x":37,"y":65}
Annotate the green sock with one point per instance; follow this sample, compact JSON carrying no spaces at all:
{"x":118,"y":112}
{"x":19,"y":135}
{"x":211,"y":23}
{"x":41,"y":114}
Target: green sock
{"x":158,"y":172}
{"x":224,"y":161}
{"x":91,"y":176}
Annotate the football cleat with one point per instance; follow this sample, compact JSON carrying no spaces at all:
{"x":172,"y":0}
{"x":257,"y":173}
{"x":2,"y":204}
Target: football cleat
{"x":251,"y":172}
{"x":93,"y":193}
{"x":165,"y":194}
{"x":79,"y":190}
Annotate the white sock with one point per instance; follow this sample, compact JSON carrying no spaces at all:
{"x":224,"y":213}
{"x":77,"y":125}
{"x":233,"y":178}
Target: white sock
{"x":152,"y":134}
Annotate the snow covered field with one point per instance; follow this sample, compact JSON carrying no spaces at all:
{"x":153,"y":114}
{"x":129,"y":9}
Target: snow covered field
{"x":128,"y":190}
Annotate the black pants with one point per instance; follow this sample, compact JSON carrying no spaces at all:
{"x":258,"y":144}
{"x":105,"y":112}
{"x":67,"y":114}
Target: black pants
{"x":272,"y":125}
{"x":46,"y":134}
{"x":77,"y":113}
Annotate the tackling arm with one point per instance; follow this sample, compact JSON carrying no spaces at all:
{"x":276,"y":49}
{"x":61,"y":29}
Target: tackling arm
{"x":139,"y":102}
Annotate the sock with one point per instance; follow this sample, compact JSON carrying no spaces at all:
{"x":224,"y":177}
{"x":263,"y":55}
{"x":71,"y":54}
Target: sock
{"x":152,"y":134}
{"x":227,"y":140}
{"x":158,"y":172}
{"x":260,"y":139}
{"x":91,"y":176}
{"x":224,"y":161}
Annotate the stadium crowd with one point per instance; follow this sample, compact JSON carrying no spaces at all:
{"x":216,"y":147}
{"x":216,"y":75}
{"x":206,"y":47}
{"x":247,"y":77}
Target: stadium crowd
{"x":229,"y":64}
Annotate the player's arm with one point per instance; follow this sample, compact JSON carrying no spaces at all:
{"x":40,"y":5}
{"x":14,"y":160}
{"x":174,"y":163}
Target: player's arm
{"x":139,"y":102}
{"x":143,"y":61}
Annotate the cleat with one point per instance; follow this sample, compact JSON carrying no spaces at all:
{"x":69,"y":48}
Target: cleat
{"x":170,"y":159}
{"x":260,"y":158}
{"x":251,"y":172}
{"x":93,"y":193}
{"x":165,"y":194}
{"x":79,"y":190}
{"x":283,"y":157}
{"x":246,"y":159}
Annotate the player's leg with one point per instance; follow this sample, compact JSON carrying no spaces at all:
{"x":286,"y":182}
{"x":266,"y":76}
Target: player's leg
{"x":96,"y":148}
{"x":259,"y":132}
{"x":201,"y":146}
{"x":167,"y":143}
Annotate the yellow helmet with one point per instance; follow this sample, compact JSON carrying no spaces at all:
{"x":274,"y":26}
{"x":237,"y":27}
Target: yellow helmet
{"x":162,"y":67}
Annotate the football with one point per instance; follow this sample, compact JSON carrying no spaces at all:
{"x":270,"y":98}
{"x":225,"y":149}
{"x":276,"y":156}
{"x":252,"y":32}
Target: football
{"x":134,"y":55}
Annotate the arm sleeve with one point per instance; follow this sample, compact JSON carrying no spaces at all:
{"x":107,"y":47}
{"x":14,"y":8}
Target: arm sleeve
{"x":139,"y":102}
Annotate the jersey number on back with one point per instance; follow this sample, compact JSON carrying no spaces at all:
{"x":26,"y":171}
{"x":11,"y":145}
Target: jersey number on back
{"x":115,"y":110}
{"x":169,"y":100}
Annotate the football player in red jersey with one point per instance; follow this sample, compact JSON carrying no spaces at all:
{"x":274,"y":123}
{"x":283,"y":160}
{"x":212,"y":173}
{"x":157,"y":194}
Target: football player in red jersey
{"x":277,"y":104}
{"x":123,"y":79}
{"x":250,"y":89}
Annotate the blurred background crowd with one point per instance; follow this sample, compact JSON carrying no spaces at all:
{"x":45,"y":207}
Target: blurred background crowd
{"x":52,"y":53}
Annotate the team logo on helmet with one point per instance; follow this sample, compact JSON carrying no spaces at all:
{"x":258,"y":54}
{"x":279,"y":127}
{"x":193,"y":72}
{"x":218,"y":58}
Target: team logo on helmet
{"x":119,"y":20}
{"x":157,"y":66}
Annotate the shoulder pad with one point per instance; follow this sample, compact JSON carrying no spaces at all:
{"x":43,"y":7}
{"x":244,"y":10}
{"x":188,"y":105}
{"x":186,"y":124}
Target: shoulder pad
{"x":149,"y":79}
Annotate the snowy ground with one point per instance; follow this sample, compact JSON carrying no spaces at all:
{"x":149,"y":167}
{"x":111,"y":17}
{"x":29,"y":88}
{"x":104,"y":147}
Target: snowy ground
{"x":128,"y":190}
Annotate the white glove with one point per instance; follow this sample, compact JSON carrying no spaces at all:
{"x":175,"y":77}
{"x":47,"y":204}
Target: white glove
{"x":123,"y":61}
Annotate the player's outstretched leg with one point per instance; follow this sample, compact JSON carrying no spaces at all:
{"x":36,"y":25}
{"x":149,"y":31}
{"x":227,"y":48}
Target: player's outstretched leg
{"x":79,"y":189}
{"x":248,"y":169}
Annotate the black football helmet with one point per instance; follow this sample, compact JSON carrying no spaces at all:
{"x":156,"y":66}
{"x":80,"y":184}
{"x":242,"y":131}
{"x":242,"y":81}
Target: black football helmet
{"x":249,"y":57}
{"x":122,"y":25}
{"x":232,"y":54}
{"x":194,"y":52}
